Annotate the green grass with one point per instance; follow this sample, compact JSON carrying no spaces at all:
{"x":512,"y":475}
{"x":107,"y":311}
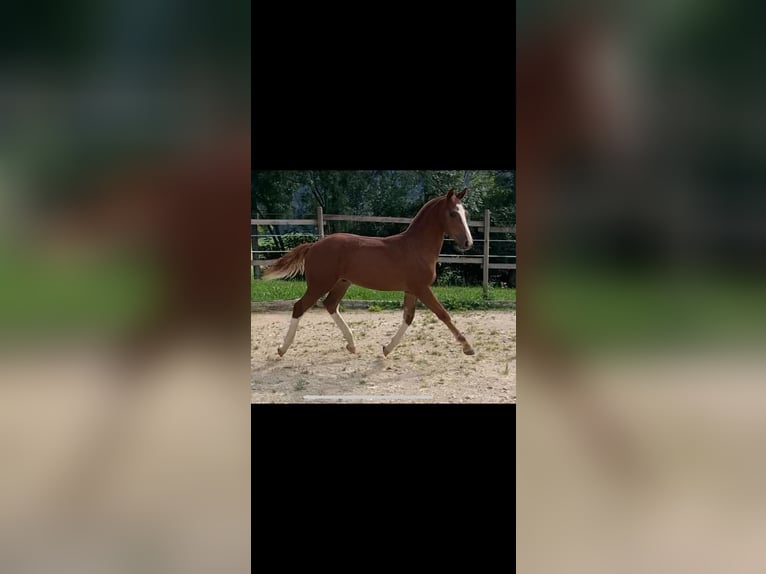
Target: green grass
{"x":605,"y":310}
{"x":40,"y":294}
{"x":454,"y":298}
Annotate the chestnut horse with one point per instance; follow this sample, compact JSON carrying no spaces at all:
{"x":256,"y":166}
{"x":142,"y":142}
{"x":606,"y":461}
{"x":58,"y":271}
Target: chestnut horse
{"x":403,"y":262}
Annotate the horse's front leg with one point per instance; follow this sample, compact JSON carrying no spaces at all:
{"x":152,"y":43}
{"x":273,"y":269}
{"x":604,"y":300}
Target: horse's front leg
{"x":410,"y":301}
{"x":430,"y":301}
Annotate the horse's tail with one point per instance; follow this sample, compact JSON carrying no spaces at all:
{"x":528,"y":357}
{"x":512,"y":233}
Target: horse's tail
{"x":290,"y":264}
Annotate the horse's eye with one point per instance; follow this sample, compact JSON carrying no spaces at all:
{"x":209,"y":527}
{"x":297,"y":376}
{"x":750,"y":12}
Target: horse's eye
{"x":453,"y":214}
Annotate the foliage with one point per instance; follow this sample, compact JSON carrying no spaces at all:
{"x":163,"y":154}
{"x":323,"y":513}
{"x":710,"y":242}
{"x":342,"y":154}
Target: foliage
{"x":379,"y":192}
{"x":451,"y":275}
{"x":293,"y":240}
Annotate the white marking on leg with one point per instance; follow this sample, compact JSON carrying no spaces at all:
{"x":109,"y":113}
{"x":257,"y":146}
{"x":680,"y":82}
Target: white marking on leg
{"x":395,"y":341}
{"x":347,"y":334}
{"x":289,"y":337}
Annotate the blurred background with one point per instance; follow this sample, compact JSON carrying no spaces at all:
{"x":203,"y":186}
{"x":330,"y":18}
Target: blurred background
{"x":124,"y":161}
{"x":125,"y":157}
{"x":641,"y":306}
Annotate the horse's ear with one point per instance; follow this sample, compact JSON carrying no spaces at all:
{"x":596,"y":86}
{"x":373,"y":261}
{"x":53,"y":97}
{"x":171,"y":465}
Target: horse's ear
{"x":461,"y":195}
{"x":450,"y":193}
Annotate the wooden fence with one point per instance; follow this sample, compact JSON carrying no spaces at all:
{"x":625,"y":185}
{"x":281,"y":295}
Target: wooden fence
{"x":321,"y":219}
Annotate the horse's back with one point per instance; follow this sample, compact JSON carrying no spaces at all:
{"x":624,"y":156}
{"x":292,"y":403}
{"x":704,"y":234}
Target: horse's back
{"x":350,"y":240}
{"x":367,"y":261}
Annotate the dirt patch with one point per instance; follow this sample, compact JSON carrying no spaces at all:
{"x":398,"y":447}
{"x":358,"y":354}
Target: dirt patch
{"x":427,"y":363}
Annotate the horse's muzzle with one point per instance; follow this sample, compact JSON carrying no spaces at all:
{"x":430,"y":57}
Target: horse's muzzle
{"x":463,"y":244}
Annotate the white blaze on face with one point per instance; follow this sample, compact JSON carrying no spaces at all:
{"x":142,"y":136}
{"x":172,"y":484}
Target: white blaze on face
{"x":463,"y":219}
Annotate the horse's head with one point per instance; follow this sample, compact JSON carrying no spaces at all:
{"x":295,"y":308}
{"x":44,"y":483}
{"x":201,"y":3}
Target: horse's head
{"x":456,"y":220}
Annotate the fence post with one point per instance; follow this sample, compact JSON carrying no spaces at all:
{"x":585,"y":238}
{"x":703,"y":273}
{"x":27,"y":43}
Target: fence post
{"x":485,"y":261}
{"x":254,"y":248}
{"x":320,"y":221}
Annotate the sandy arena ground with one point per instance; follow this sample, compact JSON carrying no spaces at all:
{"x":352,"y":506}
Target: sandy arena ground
{"x":427,"y":363}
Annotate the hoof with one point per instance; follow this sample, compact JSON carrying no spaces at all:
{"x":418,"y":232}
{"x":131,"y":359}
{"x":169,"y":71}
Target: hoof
{"x":351,"y":349}
{"x":280,"y":352}
{"x":469,"y":351}
{"x":385,"y":353}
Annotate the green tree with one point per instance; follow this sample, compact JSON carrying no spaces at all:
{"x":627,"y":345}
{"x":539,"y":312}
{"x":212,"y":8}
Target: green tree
{"x":270,"y":197}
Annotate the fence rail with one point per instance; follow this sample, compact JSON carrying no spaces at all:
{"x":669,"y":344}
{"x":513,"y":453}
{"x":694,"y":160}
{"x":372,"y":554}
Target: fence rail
{"x":321,"y":219}
{"x":372,"y":219}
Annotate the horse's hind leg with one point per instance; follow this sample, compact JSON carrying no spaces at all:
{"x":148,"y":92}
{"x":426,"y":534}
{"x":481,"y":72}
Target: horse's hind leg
{"x":313,"y":292}
{"x":409,"y":313}
{"x":331,"y":304}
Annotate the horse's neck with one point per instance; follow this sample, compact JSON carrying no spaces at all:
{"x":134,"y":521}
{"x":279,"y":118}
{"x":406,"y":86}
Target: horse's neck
{"x":426,"y":235}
